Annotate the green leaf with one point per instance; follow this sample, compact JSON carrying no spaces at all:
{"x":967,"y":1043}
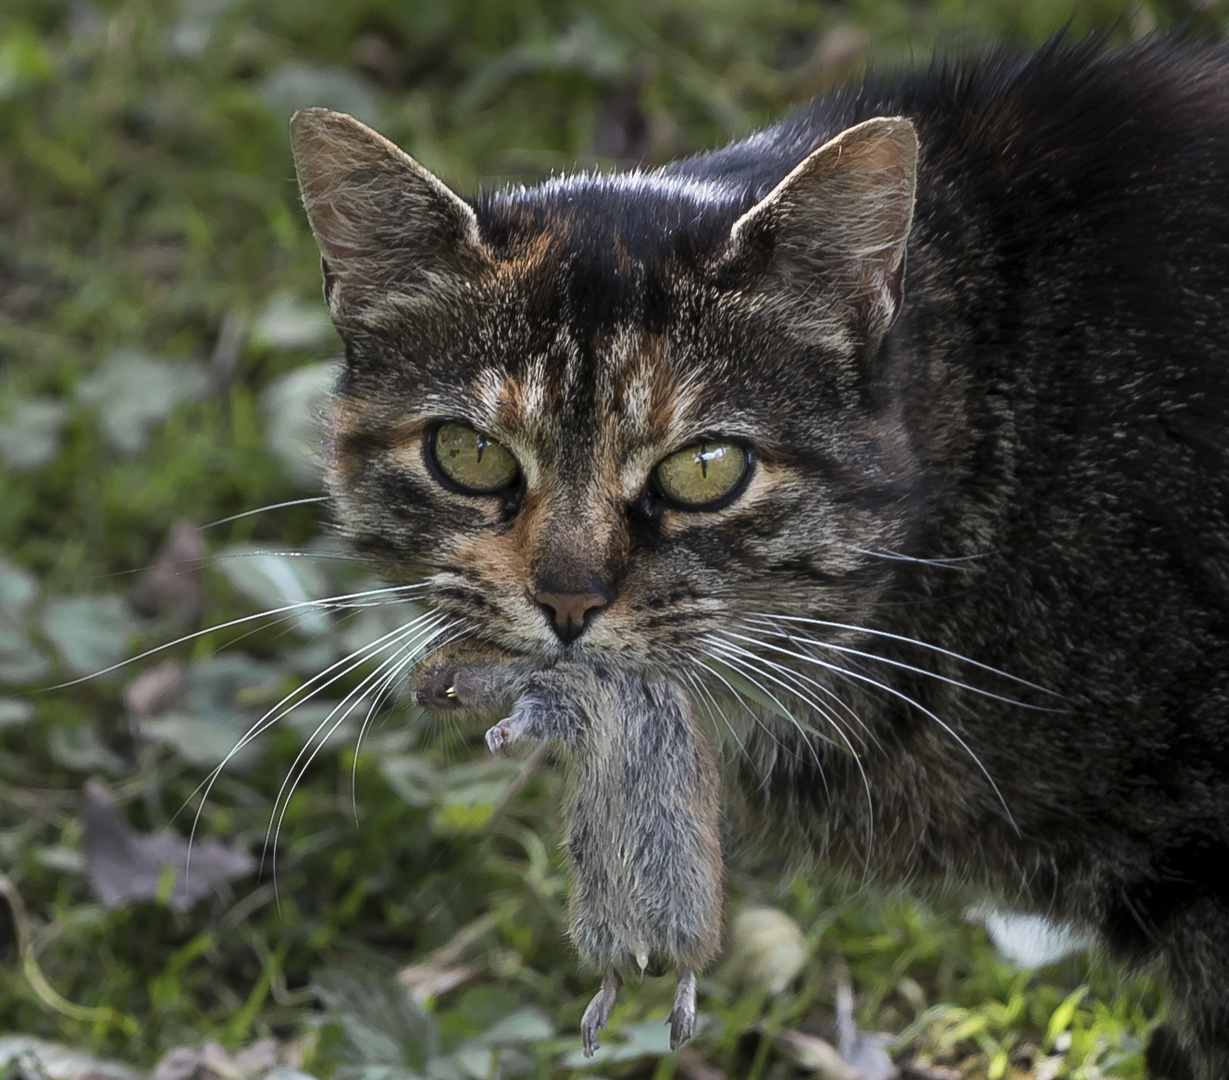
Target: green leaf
{"x":276,"y":578}
{"x":132,"y":393}
{"x":381,"y":1022}
{"x":1060,"y":1018}
{"x":25,"y":62}
{"x":90,"y":632}
{"x":31,"y":433}
{"x":14,"y":712}
{"x":81,"y":749}
{"x":293,"y":407}
{"x":288,"y":323}
{"x":18,"y":587}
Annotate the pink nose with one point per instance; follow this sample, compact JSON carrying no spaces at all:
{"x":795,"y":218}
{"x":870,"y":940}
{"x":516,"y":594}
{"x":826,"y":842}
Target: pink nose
{"x":570,"y":610}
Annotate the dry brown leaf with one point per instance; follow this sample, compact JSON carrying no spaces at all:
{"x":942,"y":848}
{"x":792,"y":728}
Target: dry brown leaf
{"x":172,"y":585}
{"x":154,"y":691}
{"x":124,"y":866}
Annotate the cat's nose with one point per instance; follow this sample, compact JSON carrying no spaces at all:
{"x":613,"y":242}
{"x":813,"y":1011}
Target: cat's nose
{"x":569,"y":610}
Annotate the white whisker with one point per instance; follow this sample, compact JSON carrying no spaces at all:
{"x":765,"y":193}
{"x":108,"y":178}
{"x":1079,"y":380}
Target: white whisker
{"x":328,"y":602}
{"x":950,"y":563}
{"x":774,"y":618}
{"x":750,"y":712}
{"x":288,"y":703}
{"x":265,"y":509}
{"x":732,"y":657}
{"x":846,"y":673}
{"x":710,"y":706}
{"x":745,"y":657}
{"x":298,"y":767}
{"x":848,"y":650}
{"x":381,"y":694}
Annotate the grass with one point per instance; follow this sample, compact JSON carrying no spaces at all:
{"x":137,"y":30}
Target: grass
{"x":160,"y":338}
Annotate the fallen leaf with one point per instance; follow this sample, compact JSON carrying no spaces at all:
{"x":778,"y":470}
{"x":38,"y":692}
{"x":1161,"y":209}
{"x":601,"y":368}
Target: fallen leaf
{"x":767,"y":949}
{"x":817,"y":1056}
{"x":212,"y":1061}
{"x":124,"y":866}
{"x":90,"y":632}
{"x":132,"y":393}
{"x":865,"y":1051}
{"x":294,"y":406}
{"x":154,"y":691}
{"x":426,"y":981}
{"x":30,"y":434}
{"x":52,"y":1061}
{"x":172,"y":584}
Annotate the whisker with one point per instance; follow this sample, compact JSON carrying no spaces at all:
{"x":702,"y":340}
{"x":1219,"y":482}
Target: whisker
{"x":755,"y":718}
{"x":837,"y":702}
{"x":846,"y":673}
{"x":949,"y":563}
{"x":829,"y":712}
{"x":288,"y":703}
{"x":746,"y":656}
{"x":328,"y":602}
{"x":381,"y":695}
{"x":850,"y":651}
{"x":773,"y":618}
{"x":731,"y":657}
{"x":265,"y":509}
{"x":710,"y":707}
{"x":298,"y":768}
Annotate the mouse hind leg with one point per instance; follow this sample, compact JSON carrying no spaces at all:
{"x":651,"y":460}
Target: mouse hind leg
{"x":682,"y":1019}
{"x":597,"y":1015}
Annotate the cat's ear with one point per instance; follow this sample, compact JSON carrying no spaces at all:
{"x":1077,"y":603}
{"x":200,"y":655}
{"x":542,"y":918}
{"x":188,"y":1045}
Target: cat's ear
{"x":386,"y":226}
{"x":834,"y":230}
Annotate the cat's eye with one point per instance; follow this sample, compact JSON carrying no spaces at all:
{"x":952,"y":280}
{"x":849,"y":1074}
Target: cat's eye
{"x":702,"y":476}
{"x":474,"y":463}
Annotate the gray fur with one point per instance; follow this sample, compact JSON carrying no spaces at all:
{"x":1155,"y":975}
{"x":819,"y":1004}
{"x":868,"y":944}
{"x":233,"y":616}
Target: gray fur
{"x":641,"y":811}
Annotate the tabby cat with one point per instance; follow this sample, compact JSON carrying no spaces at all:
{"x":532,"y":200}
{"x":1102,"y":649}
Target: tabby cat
{"x":910,"y":412}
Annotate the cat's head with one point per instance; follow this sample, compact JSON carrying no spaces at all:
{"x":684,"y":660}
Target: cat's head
{"x":605,"y":414}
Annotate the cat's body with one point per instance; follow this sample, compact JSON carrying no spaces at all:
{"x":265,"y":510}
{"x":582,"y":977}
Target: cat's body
{"x":641,"y":811}
{"x":1015,"y":460}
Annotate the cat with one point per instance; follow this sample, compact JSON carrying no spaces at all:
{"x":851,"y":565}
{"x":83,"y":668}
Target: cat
{"x":895,"y":432}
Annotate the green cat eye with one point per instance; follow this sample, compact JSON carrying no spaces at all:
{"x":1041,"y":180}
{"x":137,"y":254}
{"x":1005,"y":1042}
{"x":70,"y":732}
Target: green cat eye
{"x":475,"y":463}
{"x":701,"y":475}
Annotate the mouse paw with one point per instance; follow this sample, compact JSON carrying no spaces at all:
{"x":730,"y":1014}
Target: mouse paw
{"x":682,"y":1019}
{"x":500,"y":735}
{"x":597,"y":1015}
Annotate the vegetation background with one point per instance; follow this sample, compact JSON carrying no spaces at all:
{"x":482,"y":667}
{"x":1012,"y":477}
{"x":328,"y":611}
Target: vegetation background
{"x":163,"y":357}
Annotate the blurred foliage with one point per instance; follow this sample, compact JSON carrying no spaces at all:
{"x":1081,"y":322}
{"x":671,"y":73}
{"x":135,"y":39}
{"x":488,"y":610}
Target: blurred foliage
{"x":161,"y":349}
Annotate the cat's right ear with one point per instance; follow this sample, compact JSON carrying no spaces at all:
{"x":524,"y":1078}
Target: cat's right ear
{"x":829,"y":240}
{"x":389,"y":231}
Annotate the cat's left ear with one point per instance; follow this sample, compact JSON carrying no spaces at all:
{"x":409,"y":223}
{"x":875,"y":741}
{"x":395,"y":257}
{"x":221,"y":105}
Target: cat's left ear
{"x":834,"y":230}
{"x":386,"y":226}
